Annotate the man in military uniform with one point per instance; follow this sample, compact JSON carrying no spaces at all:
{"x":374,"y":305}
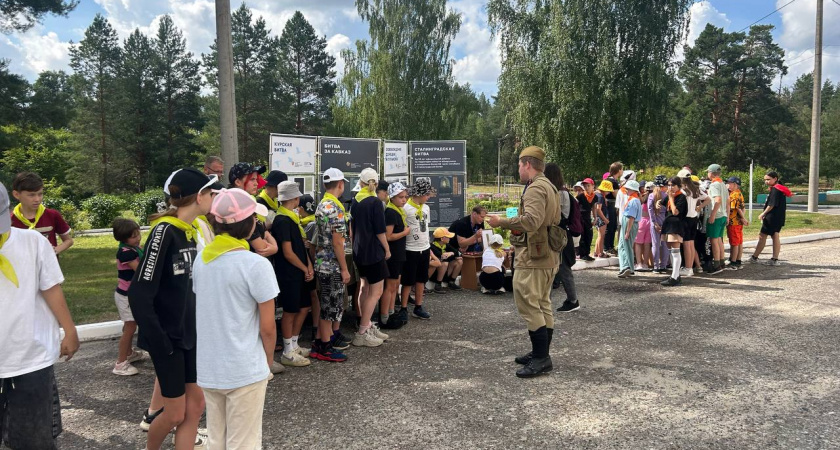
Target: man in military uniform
{"x":536,"y":263}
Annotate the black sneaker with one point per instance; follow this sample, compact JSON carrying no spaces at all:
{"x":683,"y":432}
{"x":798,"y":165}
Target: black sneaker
{"x":672,"y":282}
{"x":714,"y":271}
{"x":402,"y":316}
{"x":148,"y":418}
{"x":453,"y":287}
{"x":421,"y":313}
{"x":568,"y":307}
{"x":439,"y":289}
{"x":340,"y":342}
{"x":393,"y":323}
{"x":587,"y":258}
{"x":624,"y":273}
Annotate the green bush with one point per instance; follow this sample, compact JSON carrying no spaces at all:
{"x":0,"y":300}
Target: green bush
{"x":74,"y":217}
{"x":144,"y":204}
{"x":102,"y":209}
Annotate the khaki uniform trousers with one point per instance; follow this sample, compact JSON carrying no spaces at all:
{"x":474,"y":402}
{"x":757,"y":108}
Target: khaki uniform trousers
{"x":234,"y":417}
{"x":532,"y":294}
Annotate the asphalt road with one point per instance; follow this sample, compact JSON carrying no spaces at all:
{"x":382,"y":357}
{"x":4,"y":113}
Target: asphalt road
{"x":747,"y":359}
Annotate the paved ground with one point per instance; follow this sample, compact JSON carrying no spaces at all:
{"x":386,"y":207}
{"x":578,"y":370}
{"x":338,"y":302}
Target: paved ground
{"x":744,"y":360}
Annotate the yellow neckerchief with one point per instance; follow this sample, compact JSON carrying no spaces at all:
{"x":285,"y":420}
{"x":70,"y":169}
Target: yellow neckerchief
{"x":6,"y":265}
{"x":272,"y":203}
{"x":179,"y":224}
{"x":222,"y":244}
{"x":419,"y":213}
{"x":363,"y":194}
{"x":399,"y":210}
{"x":18,"y":212}
{"x":283,"y":211}
{"x":202,"y":218}
{"x":328,"y":196}
{"x":304,"y":221}
{"x":441,"y":246}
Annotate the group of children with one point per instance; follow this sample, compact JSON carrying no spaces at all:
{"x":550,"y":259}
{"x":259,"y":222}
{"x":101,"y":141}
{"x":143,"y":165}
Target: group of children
{"x":674,"y":226}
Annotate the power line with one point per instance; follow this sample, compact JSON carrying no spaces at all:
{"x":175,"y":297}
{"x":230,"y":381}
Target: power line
{"x":768,"y":15}
{"x":792,"y":63}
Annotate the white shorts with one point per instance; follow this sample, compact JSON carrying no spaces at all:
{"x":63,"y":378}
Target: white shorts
{"x":122,"y":307}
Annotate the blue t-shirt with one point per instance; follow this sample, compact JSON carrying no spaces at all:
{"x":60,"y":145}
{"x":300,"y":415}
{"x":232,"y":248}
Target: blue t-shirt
{"x":633,"y":209}
{"x":228,"y":291}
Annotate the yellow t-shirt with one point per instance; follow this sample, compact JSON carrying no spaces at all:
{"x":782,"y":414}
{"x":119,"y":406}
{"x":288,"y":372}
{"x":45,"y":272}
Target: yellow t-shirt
{"x":736,"y":203}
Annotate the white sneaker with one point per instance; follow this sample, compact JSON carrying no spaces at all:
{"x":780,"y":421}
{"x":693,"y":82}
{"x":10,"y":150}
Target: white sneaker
{"x":137,"y":355}
{"x":293,"y":359}
{"x":366,"y":340}
{"x":378,"y":333}
{"x":124,"y":368}
{"x":302,"y":352}
{"x":276,"y":367}
{"x":685,"y":272}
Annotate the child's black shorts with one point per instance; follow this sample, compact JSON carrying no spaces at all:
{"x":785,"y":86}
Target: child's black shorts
{"x":174,"y":371}
{"x":416,"y":268}
{"x":373,"y":273}
{"x":395,"y":269}
{"x":294,"y":295}
{"x":30,"y":412}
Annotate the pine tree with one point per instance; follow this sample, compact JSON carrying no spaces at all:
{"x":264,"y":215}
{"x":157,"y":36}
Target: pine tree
{"x":95,"y":61}
{"x":52,"y":104}
{"x":307,"y":72}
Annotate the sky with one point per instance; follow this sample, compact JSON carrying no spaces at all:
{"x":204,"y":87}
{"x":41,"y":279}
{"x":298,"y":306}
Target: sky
{"x":475,"y":52}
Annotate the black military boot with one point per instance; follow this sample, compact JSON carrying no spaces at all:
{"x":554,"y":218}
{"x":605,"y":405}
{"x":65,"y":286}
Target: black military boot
{"x":540,"y":362}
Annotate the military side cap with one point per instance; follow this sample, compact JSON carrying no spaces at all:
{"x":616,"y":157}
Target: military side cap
{"x":534,"y":152}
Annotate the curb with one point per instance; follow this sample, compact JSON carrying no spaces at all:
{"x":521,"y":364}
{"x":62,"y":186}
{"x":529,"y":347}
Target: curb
{"x":108,"y":330}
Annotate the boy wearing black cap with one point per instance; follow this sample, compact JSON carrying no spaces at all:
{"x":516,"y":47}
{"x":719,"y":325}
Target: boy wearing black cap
{"x":33,"y":308}
{"x":737,"y":220}
{"x":268,"y":195}
{"x":247,"y":177}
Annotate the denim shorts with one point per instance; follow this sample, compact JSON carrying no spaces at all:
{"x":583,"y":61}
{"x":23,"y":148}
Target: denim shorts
{"x":30,"y":412}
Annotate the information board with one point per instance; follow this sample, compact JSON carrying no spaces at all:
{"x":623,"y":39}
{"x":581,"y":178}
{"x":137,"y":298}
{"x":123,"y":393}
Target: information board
{"x":292,"y":154}
{"x":438,"y":156}
{"x":348,"y":155}
{"x":447,"y":205}
{"x":396,"y":158}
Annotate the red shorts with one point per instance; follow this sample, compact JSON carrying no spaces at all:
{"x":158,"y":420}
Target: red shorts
{"x":735,"y":234}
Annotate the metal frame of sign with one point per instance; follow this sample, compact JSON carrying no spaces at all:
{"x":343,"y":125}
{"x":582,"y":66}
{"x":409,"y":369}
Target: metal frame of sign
{"x":313,"y":171}
{"x":347,"y":174}
{"x":415,"y":174}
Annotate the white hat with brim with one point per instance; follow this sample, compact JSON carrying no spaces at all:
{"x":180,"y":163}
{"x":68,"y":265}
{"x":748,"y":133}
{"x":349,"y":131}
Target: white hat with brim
{"x":288,"y":190}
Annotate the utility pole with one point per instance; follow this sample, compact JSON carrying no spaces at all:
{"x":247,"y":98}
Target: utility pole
{"x":816,"y":109}
{"x":499,"y":163}
{"x":227,"y":96}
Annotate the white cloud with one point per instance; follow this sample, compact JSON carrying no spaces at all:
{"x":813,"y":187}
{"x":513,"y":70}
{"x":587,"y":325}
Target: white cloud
{"x":797,"y":38}
{"x":479,"y":60}
{"x":335,"y":45}
{"x":700,"y":14}
{"x":37,"y":52}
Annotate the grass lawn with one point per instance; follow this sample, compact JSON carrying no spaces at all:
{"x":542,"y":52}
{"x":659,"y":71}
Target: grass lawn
{"x":90,"y":268}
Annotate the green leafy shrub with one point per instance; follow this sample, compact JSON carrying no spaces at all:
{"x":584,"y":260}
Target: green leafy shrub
{"x":71,"y":213}
{"x":144,"y":204}
{"x":103,"y":209}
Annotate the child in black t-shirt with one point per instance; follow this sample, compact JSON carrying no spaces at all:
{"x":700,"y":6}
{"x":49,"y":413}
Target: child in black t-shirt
{"x":396,"y":230}
{"x":127,"y":233}
{"x":450,"y":260}
{"x":294,"y":270}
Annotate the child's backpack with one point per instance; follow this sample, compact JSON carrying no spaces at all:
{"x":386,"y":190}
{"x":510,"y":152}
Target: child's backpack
{"x":572,"y":223}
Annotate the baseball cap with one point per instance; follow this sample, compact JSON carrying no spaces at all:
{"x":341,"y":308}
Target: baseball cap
{"x":188,"y":181}
{"x":443,"y":232}
{"x":242,"y":169}
{"x":275,"y":177}
{"x":288,"y":190}
{"x":496,"y":239}
{"x":660,"y":180}
{"x":368,"y":175}
{"x":307,"y":202}
{"x":579,"y":184}
{"x":735,"y":180}
{"x":715,"y":168}
{"x":684,"y":173}
{"x":589,"y":181}
{"x":235,"y":205}
{"x":333,"y":174}
{"x":395,"y":188}
{"x":5,"y":216}
{"x":695,"y":178}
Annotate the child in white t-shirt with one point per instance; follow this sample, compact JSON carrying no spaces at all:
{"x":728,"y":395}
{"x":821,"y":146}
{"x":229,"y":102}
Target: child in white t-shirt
{"x":33,"y":307}
{"x":492,"y":277}
{"x":234,"y":295}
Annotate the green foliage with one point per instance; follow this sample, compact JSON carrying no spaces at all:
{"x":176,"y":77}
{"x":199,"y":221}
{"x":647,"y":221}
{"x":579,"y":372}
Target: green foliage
{"x":588,"y":80}
{"x":75,"y":217}
{"x":397,"y":84}
{"x":21,"y":15}
{"x":44,"y":151}
{"x":103,"y":209}
{"x":492,"y":202}
{"x":144,"y":205}
{"x":52,"y":104}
